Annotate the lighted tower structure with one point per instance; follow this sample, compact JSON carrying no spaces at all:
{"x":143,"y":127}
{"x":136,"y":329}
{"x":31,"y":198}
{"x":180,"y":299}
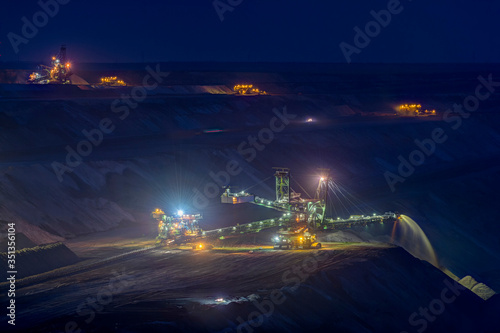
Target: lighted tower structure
{"x":322,"y":190}
{"x":62,"y":54}
{"x":317,"y":209}
{"x":282,"y":176}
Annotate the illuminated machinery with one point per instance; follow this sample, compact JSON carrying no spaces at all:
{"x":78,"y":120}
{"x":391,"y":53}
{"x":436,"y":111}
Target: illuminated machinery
{"x":58,"y":72}
{"x":302,"y":216}
{"x":236,"y":198}
{"x":282,"y":176}
{"x":310,"y":213}
{"x":247,"y":90}
{"x":296,"y":239}
{"x":413,"y":110}
{"x":282,"y":202}
{"x":112,"y":81}
{"x":317,"y":208}
{"x":179,"y":228}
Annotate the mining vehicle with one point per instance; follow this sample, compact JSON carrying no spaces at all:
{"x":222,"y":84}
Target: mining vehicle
{"x":247,"y":90}
{"x":296,"y":239}
{"x":111,"y":81}
{"x":59,"y":72}
{"x":179,"y":229}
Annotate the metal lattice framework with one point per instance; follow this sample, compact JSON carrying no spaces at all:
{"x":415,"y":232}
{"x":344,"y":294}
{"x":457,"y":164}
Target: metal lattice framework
{"x":282,"y":176}
{"x":321,"y":196}
{"x":322,"y":190}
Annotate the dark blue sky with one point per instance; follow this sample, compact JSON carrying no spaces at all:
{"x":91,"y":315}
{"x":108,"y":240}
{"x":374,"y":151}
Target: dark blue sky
{"x":256,"y":30}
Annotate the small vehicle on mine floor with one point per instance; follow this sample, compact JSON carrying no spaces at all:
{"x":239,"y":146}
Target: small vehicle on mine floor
{"x":298,"y":239}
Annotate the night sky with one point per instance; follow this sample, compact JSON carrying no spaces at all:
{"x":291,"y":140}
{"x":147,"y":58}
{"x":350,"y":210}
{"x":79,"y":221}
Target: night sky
{"x":255,"y":30}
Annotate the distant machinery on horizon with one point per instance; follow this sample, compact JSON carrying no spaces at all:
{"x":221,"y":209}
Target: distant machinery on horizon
{"x":247,"y":90}
{"x":58,"y":73}
{"x":112,"y":81}
{"x":413,"y":110}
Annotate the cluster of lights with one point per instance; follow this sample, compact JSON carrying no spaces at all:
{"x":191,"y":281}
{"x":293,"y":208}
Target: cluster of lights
{"x":247,"y":87}
{"x":112,"y":80}
{"x":263,"y":201}
{"x":416,"y":108}
{"x":158,"y":211}
{"x":409,"y":106}
{"x":57,"y":66}
{"x":57,"y":61}
{"x":243,"y":86}
{"x":34,"y":76}
{"x":58,"y":73}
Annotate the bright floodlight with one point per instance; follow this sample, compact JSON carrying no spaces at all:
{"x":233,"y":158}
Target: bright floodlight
{"x":322,"y":179}
{"x":180,"y":212}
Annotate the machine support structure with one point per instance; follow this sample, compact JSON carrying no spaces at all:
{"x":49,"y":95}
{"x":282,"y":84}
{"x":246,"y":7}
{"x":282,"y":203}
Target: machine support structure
{"x":321,"y":197}
{"x":282,"y":176}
